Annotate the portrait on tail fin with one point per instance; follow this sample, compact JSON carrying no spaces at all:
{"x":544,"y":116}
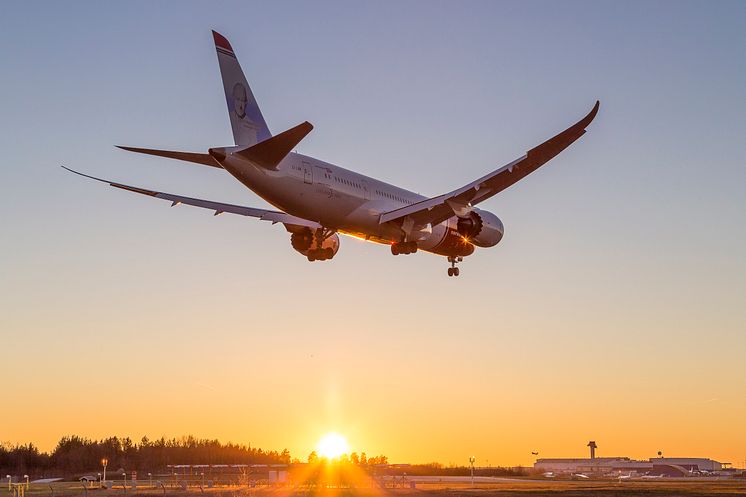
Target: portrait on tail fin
{"x":240,"y":120}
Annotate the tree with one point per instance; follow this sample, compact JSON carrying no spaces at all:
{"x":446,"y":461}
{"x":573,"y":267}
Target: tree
{"x":313,"y":458}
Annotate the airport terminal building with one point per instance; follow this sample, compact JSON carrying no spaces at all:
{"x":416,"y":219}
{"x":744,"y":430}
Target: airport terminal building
{"x":655,"y":466}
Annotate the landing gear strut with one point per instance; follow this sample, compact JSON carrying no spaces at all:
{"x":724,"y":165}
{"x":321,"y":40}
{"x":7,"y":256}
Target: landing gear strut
{"x":453,"y":270}
{"x":403,"y":248}
{"x":320,"y":253}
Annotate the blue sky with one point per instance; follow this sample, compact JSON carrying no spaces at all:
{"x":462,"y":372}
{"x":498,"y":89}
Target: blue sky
{"x":624,"y":255}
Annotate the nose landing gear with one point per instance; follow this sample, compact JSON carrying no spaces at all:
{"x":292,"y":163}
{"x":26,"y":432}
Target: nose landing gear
{"x":453,"y":270}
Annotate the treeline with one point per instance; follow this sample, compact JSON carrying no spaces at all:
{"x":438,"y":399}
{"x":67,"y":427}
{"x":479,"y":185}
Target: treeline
{"x":74,"y":454}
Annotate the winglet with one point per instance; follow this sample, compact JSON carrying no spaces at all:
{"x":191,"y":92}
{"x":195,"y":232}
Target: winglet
{"x":558,"y":143}
{"x":270,"y":152}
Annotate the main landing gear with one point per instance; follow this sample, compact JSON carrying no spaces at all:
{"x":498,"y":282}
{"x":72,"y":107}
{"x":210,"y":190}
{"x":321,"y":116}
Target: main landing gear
{"x":453,"y":270}
{"x":403,"y":248}
{"x":320,"y":254}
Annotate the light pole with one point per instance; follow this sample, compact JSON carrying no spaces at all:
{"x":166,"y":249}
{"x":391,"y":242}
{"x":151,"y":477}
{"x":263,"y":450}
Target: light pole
{"x":26,"y":476}
{"x":104,"y":462}
{"x":150,"y":477}
{"x":124,"y":482}
{"x":472,"y":460}
{"x":10,"y":479}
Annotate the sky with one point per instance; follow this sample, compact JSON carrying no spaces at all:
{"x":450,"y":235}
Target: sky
{"x":613,"y":309}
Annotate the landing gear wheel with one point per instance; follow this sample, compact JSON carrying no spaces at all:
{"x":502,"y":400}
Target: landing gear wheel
{"x":315,"y":240}
{"x":453,"y":270}
{"x":403,"y":248}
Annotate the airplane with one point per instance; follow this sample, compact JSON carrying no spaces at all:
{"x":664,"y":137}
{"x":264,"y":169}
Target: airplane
{"x":581,"y":476}
{"x":316,"y":200}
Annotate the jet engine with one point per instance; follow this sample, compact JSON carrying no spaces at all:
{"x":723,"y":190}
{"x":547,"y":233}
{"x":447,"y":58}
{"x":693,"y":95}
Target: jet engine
{"x":482,"y":228}
{"x":305,"y":243}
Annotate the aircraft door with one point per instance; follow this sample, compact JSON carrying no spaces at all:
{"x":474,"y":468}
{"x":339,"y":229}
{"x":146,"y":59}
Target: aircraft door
{"x":366,"y":189}
{"x":307,"y":172}
{"x":321,"y":175}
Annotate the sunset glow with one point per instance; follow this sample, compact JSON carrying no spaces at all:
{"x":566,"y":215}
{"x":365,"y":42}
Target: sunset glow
{"x":332,"y":445}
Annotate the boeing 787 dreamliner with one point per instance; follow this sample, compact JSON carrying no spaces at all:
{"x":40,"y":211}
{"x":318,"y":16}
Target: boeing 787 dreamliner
{"x":316,"y":200}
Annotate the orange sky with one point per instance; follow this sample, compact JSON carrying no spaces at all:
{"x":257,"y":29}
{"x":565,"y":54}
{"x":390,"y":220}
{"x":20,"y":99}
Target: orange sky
{"x":498,"y":392}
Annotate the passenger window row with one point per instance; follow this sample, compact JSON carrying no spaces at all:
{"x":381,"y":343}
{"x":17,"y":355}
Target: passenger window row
{"x":394,"y":197}
{"x":347,"y":182}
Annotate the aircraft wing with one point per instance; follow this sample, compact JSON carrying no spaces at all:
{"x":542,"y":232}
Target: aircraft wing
{"x":292,"y":223}
{"x":458,"y":202}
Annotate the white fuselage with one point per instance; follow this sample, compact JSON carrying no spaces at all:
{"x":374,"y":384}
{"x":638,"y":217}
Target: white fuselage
{"x":337,"y":198}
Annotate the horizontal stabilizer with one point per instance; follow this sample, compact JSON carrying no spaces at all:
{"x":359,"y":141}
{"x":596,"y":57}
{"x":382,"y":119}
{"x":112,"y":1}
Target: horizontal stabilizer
{"x":204,"y":159}
{"x":270,"y":152}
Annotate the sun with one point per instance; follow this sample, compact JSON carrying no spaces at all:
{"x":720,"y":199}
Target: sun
{"x":332,"y":445}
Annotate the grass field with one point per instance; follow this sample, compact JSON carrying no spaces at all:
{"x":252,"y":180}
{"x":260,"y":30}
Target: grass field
{"x":512,"y":488}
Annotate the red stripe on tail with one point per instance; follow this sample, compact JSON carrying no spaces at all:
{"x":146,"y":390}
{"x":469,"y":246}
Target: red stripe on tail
{"x":221,"y":41}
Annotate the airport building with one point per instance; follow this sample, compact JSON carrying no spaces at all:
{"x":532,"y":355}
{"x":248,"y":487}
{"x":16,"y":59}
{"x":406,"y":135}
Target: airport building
{"x":655,"y":466}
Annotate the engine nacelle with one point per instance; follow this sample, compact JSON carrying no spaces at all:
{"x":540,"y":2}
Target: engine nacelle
{"x":482,"y":228}
{"x":303,"y":241}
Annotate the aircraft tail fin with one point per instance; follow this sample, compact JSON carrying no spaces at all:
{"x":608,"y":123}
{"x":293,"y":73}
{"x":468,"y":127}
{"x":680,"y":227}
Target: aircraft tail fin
{"x":270,"y":153}
{"x":247,"y":122}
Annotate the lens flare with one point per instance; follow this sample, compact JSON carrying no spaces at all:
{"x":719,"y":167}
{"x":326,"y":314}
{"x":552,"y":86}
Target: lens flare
{"x":332,"y":445}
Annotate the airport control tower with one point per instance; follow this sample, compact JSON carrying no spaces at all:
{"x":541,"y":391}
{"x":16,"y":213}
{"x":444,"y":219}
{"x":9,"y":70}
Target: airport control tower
{"x":592,"y":445}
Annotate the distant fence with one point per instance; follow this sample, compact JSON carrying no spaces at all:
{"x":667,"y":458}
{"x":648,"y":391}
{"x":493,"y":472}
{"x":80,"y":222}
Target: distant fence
{"x":122,"y":488}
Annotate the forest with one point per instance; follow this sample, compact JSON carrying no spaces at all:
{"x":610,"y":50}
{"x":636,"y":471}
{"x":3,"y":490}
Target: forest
{"x":74,"y":454}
